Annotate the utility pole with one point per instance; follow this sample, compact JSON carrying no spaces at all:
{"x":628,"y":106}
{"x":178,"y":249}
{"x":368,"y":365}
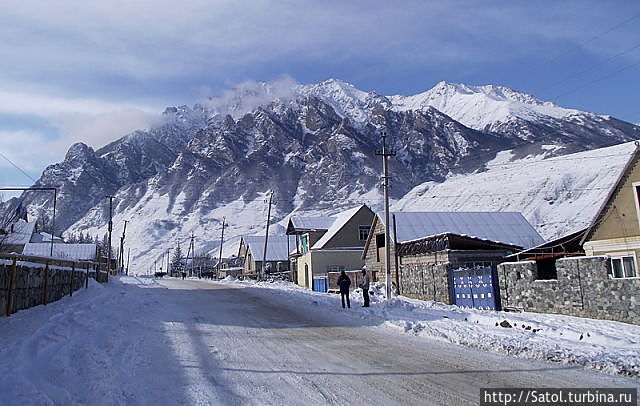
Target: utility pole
{"x":221,"y":242}
{"x":168,"y":259}
{"x":191,"y":250}
{"x":110,"y":229}
{"x":121,"y":255}
{"x":385,"y":183}
{"x":266,"y":239}
{"x":128,"y":259}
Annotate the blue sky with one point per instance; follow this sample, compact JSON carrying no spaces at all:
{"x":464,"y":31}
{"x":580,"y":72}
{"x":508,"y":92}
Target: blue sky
{"x":93,"y":71}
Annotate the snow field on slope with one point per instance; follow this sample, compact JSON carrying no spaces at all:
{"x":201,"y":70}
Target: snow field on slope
{"x":556,"y":195}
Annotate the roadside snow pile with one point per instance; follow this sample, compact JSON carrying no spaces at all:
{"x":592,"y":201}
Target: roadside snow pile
{"x":608,"y":346}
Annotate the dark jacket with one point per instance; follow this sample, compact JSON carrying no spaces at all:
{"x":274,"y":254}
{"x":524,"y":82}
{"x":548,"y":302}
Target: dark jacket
{"x":344,"y":282}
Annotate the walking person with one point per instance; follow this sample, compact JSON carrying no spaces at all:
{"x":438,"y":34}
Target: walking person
{"x":365,"y":287}
{"x":344,"y":282}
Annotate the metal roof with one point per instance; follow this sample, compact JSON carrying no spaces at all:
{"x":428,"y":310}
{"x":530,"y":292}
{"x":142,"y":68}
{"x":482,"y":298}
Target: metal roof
{"x":506,"y":227}
{"x":72,"y":252}
{"x":311,"y":223}
{"x":276,"y":247}
{"x":22,"y":232}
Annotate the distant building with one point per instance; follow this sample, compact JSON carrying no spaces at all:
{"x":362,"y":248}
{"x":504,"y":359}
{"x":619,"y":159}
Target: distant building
{"x":328,"y":244}
{"x":69,"y":252}
{"x":17,"y":236}
{"x":251,"y":252}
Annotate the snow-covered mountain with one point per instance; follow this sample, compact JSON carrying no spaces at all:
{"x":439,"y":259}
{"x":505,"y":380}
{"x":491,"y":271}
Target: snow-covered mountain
{"x":558,"y":195}
{"x":314,"y":147}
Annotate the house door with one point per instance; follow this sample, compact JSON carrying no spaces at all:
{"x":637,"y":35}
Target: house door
{"x":308,"y":276}
{"x":475,"y":287}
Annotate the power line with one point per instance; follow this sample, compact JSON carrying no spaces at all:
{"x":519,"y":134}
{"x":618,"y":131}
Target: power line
{"x":578,"y":46}
{"x":597,"y":80}
{"x":590,"y":68}
{"x":18,"y":168}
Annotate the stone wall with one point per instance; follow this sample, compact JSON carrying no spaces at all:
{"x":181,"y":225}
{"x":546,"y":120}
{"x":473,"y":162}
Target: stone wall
{"x":583,"y":288}
{"x":421,"y":277}
{"x":28,"y":289}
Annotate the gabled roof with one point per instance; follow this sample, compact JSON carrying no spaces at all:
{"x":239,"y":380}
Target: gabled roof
{"x":21,"y":235}
{"x":503,"y":227}
{"x":305,"y":224}
{"x":339,"y":221}
{"x":44,"y":237}
{"x":72,"y":252}
{"x":613,"y":192}
{"x":276,"y":247}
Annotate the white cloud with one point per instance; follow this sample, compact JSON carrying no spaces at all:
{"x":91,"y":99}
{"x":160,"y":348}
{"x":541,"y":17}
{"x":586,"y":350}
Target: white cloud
{"x":248,"y":95}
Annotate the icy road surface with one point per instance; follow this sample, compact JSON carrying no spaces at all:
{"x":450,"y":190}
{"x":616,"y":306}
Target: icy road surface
{"x":173,"y":342}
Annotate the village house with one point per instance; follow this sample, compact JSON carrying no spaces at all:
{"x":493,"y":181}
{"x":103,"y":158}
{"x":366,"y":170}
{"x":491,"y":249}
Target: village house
{"x":436,"y":255}
{"x":16,"y":236}
{"x":592,"y":272}
{"x":251,"y":252}
{"x":23,"y":238}
{"x":328,"y":244}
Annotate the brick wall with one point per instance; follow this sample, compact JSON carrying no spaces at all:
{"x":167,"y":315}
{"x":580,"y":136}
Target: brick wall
{"x":583,"y":288}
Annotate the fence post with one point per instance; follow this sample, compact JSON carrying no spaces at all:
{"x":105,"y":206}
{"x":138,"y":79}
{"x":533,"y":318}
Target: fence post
{"x":12,"y":288}
{"x":73,"y":272}
{"x":86,"y":280}
{"x":46,"y":283}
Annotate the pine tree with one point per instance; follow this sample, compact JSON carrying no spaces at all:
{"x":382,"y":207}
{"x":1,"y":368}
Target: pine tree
{"x":176,"y":261}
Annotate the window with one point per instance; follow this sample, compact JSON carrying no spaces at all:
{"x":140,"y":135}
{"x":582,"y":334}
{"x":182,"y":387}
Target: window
{"x":335,"y":268}
{"x":380,"y":240}
{"x":623,"y":267}
{"x":547,"y":269}
{"x":363,"y":232}
{"x":636,"y":197}
{"x":304,"y":241}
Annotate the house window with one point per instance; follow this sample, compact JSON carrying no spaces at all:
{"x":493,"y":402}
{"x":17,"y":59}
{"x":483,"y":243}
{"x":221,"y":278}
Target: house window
{"x":304,"y":241}
{"x":379,"y":244}
{"x":623,"y":267}
{"x":363,"y":232}
{"x":636,"y":197}
{"x":335,"y":268}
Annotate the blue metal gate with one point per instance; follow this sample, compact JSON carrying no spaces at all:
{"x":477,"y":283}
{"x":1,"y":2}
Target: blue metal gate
{"x":320,"y":284}
{"x":475,"y":287}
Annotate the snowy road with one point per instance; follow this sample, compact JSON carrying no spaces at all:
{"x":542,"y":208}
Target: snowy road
{"x":191,"y":342}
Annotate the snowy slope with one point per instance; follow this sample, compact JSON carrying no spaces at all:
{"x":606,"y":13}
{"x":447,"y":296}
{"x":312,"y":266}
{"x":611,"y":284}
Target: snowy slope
{"x":314,"y":147}
{"x":479,"y":107}
{"x":557,"y":195}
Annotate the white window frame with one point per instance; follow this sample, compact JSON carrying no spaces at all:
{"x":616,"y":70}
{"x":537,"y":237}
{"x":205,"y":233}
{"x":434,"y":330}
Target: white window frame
{"x":360,"y":228}
{"x":619,"y":257}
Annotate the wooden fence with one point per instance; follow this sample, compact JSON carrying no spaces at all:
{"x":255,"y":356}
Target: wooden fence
{"x":27,"y":281}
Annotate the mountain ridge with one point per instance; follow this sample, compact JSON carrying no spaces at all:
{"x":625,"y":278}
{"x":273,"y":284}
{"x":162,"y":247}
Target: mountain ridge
{"x":313,"y":146}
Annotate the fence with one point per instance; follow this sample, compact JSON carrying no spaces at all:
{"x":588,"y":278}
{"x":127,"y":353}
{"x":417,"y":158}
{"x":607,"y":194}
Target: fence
{"x":27,"y":281}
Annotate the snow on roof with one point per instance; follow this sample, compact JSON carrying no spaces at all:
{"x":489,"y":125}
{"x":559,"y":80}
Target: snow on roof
{"x":506,"y":227}
{"x":276,"y":247}
{"x":22,"y":232}
{"x":73,"y":252}
{"x":339,"y":221}
{"x":44,"y":237}
{"x":312,"y":223}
